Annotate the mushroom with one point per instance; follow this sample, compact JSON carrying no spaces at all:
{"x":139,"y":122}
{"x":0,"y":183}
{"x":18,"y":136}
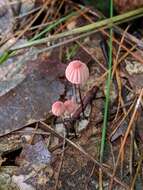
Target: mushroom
{"x":58,"y":108}
{"x":77,"y":73}
{"x":70,"y":106}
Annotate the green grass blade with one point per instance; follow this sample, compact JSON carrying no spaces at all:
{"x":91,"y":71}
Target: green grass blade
{"x":4,"y":57}
{"x":103,"y":139}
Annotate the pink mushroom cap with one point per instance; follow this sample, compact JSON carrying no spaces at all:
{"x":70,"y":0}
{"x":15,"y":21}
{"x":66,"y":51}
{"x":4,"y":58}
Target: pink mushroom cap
{"x":77,"y":72}
{"x":70,"y":106}
{"x":58,"y":108}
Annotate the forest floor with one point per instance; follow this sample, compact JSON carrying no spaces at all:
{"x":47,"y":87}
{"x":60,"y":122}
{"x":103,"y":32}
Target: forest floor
{"x":38,"y":40}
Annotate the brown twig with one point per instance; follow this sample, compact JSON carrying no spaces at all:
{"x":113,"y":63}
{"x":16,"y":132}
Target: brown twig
{"x":122,"y":120}
{"x":137,"y":171}
{"x":118,"y":51}
{"x":131,"y":156}
{"x":32,"y":137}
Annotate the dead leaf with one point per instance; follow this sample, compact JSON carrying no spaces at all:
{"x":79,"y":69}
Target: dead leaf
{"x":36,"y":154}
{"x":126,"y":5}
{"x":13,"y":70}
{"x":31,"y":100}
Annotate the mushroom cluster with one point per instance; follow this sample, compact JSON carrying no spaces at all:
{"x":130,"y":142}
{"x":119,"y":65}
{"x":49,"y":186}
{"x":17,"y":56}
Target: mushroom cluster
{"x":60,"y":108}
{"x":76,"y":73}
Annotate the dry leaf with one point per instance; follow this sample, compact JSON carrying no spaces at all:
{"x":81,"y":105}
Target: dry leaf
{"x":126,"y":5}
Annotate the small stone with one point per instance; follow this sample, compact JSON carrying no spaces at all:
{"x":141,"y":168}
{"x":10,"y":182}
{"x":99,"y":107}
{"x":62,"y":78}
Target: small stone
{"x":134,"y":67}
{"x":19,"y":181}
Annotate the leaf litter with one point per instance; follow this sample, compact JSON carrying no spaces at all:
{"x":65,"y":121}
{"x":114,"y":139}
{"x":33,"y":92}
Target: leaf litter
{"x":30,"y":83}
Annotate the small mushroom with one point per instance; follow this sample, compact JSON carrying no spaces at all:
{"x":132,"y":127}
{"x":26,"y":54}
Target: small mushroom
{"x":70,"y":106}
{"x":77,"y":73}
{"x":58,"y":108}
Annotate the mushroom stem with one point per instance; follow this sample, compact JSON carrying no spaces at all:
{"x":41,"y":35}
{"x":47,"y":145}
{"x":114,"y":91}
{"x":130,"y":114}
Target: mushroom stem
{"x":66,"y":127}
{"x":74,"y":93}
{"x":82,"y":106}
{"x":74,"y":129}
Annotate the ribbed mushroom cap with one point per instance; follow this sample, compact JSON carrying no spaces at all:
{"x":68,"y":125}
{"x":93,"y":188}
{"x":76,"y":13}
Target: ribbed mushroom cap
{"x":70,"y":106}
{"x":58,"y":108}
{"x":77,"y":72}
